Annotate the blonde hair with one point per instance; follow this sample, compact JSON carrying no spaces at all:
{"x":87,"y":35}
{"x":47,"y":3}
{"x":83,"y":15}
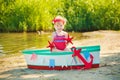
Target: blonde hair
{"x":60,"y":18}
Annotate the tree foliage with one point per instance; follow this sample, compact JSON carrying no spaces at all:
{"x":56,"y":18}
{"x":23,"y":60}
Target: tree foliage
{"x":81,"y":15}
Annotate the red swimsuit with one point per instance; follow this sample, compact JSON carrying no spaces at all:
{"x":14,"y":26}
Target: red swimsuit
{"x":60,"y":42}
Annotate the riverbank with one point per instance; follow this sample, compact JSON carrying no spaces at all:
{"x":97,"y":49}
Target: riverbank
{"x":14,"y":67}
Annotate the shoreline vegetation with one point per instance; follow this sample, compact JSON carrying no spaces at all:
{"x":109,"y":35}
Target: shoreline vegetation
{"x":37,"y":15}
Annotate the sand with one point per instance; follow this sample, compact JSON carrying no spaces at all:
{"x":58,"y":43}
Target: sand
{"x":14,"y":67}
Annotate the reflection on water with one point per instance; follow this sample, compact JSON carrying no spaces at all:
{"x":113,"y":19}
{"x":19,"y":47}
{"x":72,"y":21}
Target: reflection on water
{"x":11,"y":43}
{"x":14,"y":42}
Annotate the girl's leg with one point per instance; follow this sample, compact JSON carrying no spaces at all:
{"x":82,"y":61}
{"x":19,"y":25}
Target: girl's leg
{"x":67,"y":49}
{"x":56,"y":50}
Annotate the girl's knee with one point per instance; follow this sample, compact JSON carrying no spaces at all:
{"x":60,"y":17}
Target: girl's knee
{"x":67,"y":49}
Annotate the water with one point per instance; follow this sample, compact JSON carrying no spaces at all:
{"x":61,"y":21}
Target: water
{"x":11,"y":43}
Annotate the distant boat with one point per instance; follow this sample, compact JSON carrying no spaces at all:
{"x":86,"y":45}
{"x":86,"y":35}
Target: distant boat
{"x":1,"y":49}
{"x":44,"y":59}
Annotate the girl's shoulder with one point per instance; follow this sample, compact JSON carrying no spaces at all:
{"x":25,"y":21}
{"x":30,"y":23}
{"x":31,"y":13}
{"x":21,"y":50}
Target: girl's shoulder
{"x":54,"y":33}
{"x":65,"y":33}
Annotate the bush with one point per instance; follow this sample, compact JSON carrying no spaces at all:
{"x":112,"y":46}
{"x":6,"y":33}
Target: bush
{"x":82,"y":15}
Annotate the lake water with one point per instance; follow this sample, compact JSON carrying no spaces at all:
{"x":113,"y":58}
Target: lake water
{"x":11,"y":43}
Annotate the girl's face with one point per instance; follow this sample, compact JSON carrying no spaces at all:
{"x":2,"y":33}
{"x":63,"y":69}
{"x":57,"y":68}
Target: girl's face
{"x":58,"y":26}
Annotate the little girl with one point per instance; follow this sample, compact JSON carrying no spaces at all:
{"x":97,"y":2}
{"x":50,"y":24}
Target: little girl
{"x":59,"y":36}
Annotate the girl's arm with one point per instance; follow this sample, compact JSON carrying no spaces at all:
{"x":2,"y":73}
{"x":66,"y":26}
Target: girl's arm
{"x":66,"y":35}
{"x":53,"y":35}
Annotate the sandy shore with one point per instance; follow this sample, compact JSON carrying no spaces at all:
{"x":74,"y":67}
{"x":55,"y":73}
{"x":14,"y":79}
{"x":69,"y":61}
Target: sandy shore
{"x":14,"y":67}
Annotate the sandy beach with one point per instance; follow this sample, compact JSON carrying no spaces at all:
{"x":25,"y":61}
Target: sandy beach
{"x":14,"y":67}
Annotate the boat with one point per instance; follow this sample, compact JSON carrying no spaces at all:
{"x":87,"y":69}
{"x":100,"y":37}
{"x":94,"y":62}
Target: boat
{"x":83,"y":57}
